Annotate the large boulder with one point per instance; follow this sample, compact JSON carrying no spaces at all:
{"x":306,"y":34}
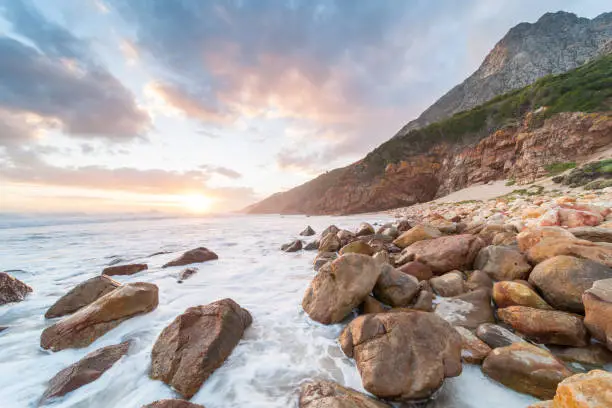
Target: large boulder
{"x":563,"y":279}
{"x":327,"y":394}
{"x":371,"y":305}
{"x":329,"y":243}
{"x":84,"y":371}
{"x":357,"y":247}
{"x":12,"y":289}
{"x":497,"y":336}
{"x":444,"y":254}
{"x":418,"y":270}
{"x":594,"y":354}
{"x":94,"y":320}
{"x":332,"y":229}
{"x":339,"y":287}
{"x":546,"y":326}
{"x":403,"y":356}
{"x":196,"y":255}
{"x":124,"y":269}
{"x":82,"y":295}
{"x":598,"y":311}
{"x":502,"y":263}
{"x":308,"y":231}
{"x":526,"y":368}
{"x":424,"y":301}
{"x":478,"y":280}
{"x":196,"y":343}
{"x":292,"y":246}
{"x":594,"y":234}
{"x":172,"y":403}
{"x":395,"y":288}
{"x":473,"y":350}
{"x":449,"y":284}
{"x":365,"y":229}
{"x":322,"y":258}
{"x":415,"y":234}
{"x":345,"y":237}
{"x":589,"y":390}
{"x":468,"y":310}
{"x":513,"y":293}
{"x":311,"y":246}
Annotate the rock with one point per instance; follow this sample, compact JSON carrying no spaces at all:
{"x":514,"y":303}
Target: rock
{"x":589,"y":390}
{"x":12,"y":289}
{"x":402,"y":356}
{"x":197,"y":255}
{"x":526,"y":368}
{"x":546,"y":326}
{"x":124,"y":269}
{"x":308,"y":231}
{"x":311,"y":246}
{"x":592,"y":355}
{"x":424,"y":301}
{"x":478,"y":280}
{"x":404,"y":225}
{"x":563,"y":279}
{"x":329,"y":243}
{"x":345,"y":237}
{"x":327,"y":394}
{"x":322,"y":258}
{"x":444,"y":254}
{"x":395,"y":288}
{"x":332,"y":229}
{"x":172,"y":403}
{"x":542,"y":404}
{"x":473,"y":350}
{"x":339,"y":287}
{"x":491,"y":230}
{"x":3,"y":328}
{"x":196,"y":343}
{"x":504,"y":238}
{"x":575,"y":218}
{"x":357,"y":247}
{"x":449,"y":284}
{"x":511,"y":293}
{"x":468,"y":310}
{"x":84,"y":371}
{"x":371,"y":305}
{"x":82,"y":295}
{"x":382,"y":257}
{"x":186,"y":274}
{"x":94,"y":320}
{"x":292,"y":246}
{"x":496,"y":336}
{"x":365,"y":229}
{"x":415,"y":234}
{"x":598,"y":311}
{"x":417,"y":269}
{"x":529,"y":238}
{"x":390,"y":232}
{"x":502,"y":263}
{"x":594,"y":234}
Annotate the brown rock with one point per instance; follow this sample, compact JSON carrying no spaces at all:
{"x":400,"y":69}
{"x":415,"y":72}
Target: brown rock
{"x":124,"y":269}
{"x":598,"y":311}
{"x":530,"y":238}
{"x":526,"y":368}
{"x":357,"y":247}
{"x":491,"y":230}
{"x":196,"y":343}
{"x":12,"y":289}
{"x":327,"y":394}
{"x":197,"y":255}
{"x":82,"y":295}
{"x":504,"y":238}
{"x":594,"y":234}
{"x":590,"y":390}
{"x":502,"y":263}
{"x":418,"y":270}
{"x":424,"y":301}
{"x":311,"y":246}
{"x":332,"y":229}
{"x":575,"y":218}
{"x":592,"y":355}
{"x":329,"y":243}
{"x":365,"y":229}
{"x":468,"y":310}
{"x":546,"y":326}
{"x":322,"y":258}
{"x":84,"y":371}
{"x":417,"y":233}
{"x":307,"y":232}
{"x":345,"y":237}
{"x":478,"y":280}
{"x":382,"y":257}
{"x":403,"y":356}
{"x":449,"y":284}
{"x":391,"y":231}
{"x":473,"y":350}
{"x":371,"y":305}
{"x":339,"y":287}
{"x":496,"y":336}
{"x":395,"y":288}
{"x":87,"y":324}
{"x":512,"y":293}
{"x":172,"y":403}
{"x":186,"y":274}
{"x":542,"y":404}
{"x":293,"y":246}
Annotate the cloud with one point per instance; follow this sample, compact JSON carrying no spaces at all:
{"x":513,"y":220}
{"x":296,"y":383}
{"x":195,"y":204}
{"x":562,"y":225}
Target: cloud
{"x":224,"y":171}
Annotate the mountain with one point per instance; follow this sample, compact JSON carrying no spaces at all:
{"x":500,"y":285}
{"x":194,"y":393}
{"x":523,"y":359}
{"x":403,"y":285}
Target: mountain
{"x":498,"y":123}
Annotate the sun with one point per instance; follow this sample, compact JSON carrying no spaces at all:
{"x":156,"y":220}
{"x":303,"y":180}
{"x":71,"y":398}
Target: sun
{"x":196,"y":203}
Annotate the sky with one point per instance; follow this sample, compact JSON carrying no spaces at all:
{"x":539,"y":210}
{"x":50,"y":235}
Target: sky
{"x":208,"y":106}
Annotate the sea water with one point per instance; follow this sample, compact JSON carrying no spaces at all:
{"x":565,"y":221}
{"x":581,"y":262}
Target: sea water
{"x":282,"y":349}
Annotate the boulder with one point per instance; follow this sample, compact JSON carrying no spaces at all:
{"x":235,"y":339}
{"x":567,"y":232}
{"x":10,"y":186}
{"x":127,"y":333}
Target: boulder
{"x":444,"y":254}
{"x":308,"y":231}
{"x":504,"y":238}
{"x":491,"y":230}
{"x":468,"y":310}
{"x":526,"y":368}
{"x":598,"y":311}
{"x":339,"y":287}
{"x":92,"y":321}
{"x":594,"y":234}
{"x":496,"y":336}
{"x":478,"y":280}
{"x":186,"y":274}
{"x":576,"y":218}
{"x":592,"y":355}
{"x":395,"y":288}
{"x":197,"y":255}
{"x":512,"y":293}
{"x":403,"y":356}
{"x":417,"y":269}
{"x":332,"y":229}
{"x":345,"y":237}
{"x":328,"y":394}
{"x":382,"y":257}
{"x":563,"y":279}
{"x":449,"y":284}
{"x":124,"y":269}
{"x":542,"y":404}
{"x":357,"y":247}
{"x":405,"y":224}
{"x":371,"y":305}
{"x":172,"y":403}
{"x":82,"y":295}
{"x":329,"y":243}
{"x":546,"y":326}
{"x":415,"y":234}
{"x":589,"y":390}
{"x":196,"y":343}
{"x":424,"y":301}
{"x":473,"y":350}
{"x":322,"y":258}
{"x":311,"y":246}
{"x":502,"y":263}
{"x":391,"y":232}
{"x":365,"y":229}
{"x":84,"y":371}
{"x":12,"y":289}
{"x":532,"y":237}
{"x":293,"y":246}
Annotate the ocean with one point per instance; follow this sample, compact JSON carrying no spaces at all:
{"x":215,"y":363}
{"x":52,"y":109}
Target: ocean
{"x":282,"y":349}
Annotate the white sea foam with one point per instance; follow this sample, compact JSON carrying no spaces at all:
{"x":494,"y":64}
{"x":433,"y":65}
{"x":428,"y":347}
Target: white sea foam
{"x":280,"y":350}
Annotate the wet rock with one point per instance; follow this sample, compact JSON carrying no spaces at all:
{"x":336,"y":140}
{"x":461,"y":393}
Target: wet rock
{"x":563,"y":279}
{"x":3,"y":328}
{"x":512,"y":293}
{"x":395,"y":288}
{"x":197,"y":255}
{"x":365,"y":229}
{"x":473,"y":350}
{"x":403,"y":356}
{"x":308,"y":231}
{"x":592,"y":355}
{"x":84,"y":371}
{"x":594,"y":234}
{"x":94,"y":320}
{"x":417,"y":269}
{"x":186,"y":274}
{"x":371,"y":305}
{"x":124,"y":269}
{"x":415,"y":234}
{"x":496,"y":336}
{"x":311,"y":246}
{"x":12,"y":289}
{"x":327,"y":394}
{"x":172,"y":403}
{"x":526,"y":368}
{"x":590,"y":390}
{"x":598,"y":311}
{"x":424,"y":301}
{"x":292,"y":246}
{"x":546,"y":326}
{"x":478,"y":280}
{"x":502,"y":263}
{"x":322,"y":258}
{"x":196,"y":343}
{"x":449,"y":284}
{"x":339,"y":287}
{"x":82,"y":295}
{"x":468,"y":310}
{"x":329,"y":243}
{"x":357,"y":247}
{"x":444,"y":254}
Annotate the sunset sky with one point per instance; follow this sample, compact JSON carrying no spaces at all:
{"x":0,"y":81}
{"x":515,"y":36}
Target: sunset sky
{"x":139,"y":105}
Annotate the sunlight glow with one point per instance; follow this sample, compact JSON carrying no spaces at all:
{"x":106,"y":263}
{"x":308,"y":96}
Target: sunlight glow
{"x":196,"y":203}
